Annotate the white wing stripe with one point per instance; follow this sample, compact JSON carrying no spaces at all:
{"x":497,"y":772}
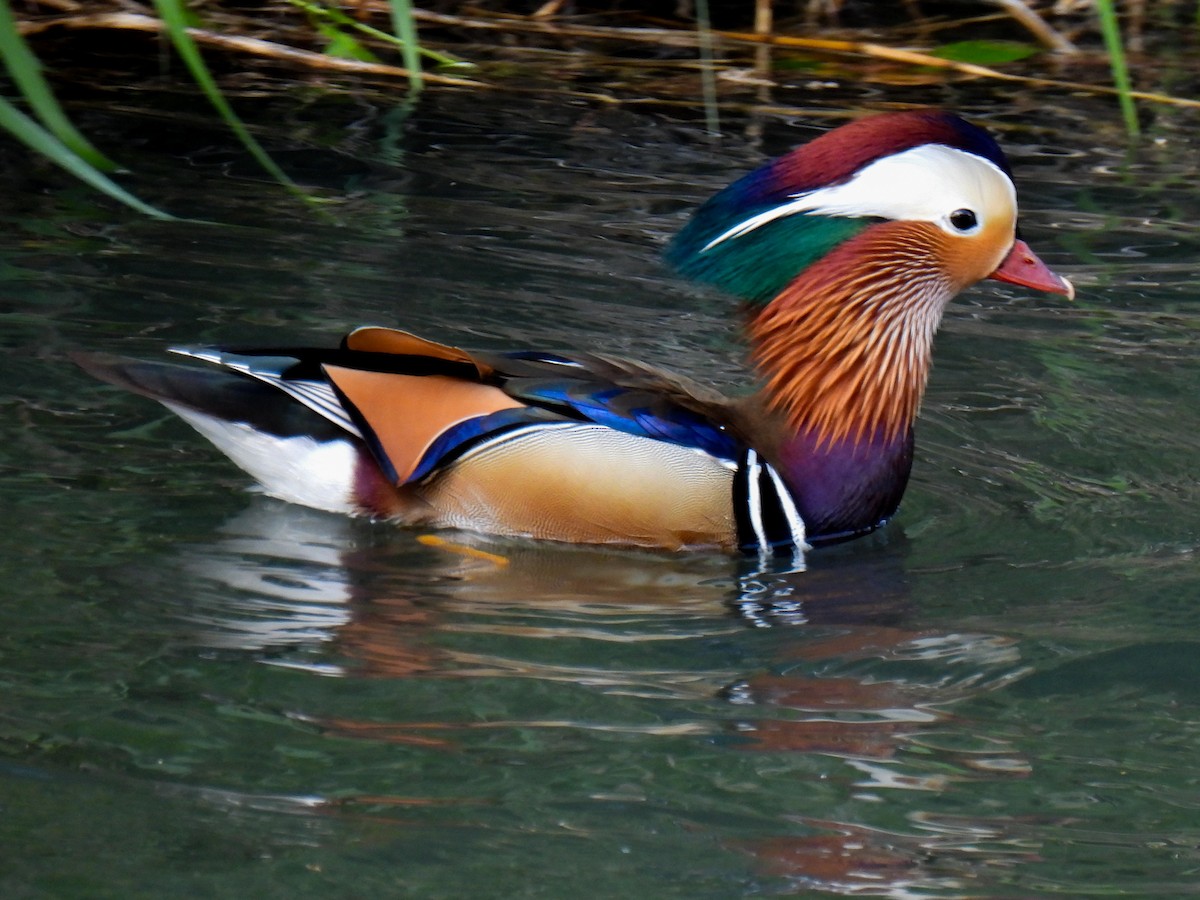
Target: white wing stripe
{"x":316,"y":395}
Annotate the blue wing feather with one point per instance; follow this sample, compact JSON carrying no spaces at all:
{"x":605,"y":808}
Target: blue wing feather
{"x":458,"y":439}
{"x":629,"y":409}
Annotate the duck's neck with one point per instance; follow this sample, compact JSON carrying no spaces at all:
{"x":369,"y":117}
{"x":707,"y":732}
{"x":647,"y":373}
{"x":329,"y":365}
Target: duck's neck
{"x":844,"y":355}
{"x":844,"y":490}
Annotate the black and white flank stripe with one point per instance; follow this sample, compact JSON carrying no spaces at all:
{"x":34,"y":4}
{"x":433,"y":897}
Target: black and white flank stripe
{"x":767,"y":519}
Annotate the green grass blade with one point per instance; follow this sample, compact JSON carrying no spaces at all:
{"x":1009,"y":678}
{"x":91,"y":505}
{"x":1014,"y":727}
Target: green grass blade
{"x":340,"y":18}
{"x":708,"y":77}
{"x":174,"y":16}
{"x":406,"y":31}
{"x":26,"y":73}
{"x":40,"y":140}
{"x":1110,"y":28}
{"x":341,"y":44}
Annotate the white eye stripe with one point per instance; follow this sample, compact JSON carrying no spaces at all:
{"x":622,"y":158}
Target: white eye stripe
{"x":928,"y":183}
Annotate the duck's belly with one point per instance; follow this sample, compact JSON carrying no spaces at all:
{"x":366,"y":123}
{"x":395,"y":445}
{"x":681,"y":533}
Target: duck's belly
{"x":587,"y":484}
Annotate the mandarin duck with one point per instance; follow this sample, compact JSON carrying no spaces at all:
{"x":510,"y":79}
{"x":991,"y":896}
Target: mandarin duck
{"x":845,"y":251}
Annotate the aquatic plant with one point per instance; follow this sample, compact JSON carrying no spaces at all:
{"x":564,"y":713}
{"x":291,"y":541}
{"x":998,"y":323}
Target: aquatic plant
{"x":1111,"y":30}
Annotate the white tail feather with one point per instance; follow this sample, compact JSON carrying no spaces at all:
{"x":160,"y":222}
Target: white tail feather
{"x":299,"y":469}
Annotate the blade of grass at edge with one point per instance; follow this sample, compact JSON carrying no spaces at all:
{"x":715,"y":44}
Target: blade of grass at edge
{"x":38,"y":139}
{"x":406,"y":31}
{"x":1110,"y":28}
{"x":26,"y":74}
{"x":175,"y":19}
{"x":708,"y":78}
{"x":340,"y":18}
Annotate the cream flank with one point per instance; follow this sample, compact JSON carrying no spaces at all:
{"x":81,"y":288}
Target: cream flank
{"x":587,"y":483}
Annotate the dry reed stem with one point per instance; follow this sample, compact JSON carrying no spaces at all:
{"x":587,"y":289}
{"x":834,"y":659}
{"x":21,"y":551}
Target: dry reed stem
{"x":254,"y":46}
{"x":660,"y":36}
{"x":1037,"y":26}
{"x":670,"y":37}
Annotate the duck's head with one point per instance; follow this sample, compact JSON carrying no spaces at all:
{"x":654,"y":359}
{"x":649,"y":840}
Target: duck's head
{"x":848,"y":249}
{"x":931,"y":178}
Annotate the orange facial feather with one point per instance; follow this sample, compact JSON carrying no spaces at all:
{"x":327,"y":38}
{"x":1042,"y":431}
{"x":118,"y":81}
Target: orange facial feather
{"x":844,"y":350}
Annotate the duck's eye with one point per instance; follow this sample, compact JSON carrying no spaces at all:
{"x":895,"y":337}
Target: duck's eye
{"x":963,"y":219}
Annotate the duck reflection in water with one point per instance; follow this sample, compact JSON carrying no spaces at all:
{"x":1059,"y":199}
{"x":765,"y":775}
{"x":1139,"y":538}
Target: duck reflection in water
{"x":847,"y":677}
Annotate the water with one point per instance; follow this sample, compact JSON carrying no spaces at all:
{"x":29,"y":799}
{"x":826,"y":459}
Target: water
{"x":210,"y":693}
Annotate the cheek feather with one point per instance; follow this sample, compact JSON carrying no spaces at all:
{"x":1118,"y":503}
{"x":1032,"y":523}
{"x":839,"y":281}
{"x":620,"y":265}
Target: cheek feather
{"x":844,"y":350}
{"x":972,"y":259}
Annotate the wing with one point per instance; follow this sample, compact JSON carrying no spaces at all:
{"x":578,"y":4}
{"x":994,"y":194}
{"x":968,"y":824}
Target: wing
{"x":419,"y":405}
{"x":622,"y":395}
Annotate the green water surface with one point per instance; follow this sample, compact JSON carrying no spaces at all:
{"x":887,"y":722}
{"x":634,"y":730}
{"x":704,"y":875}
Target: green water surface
{"x":205,"y":692}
